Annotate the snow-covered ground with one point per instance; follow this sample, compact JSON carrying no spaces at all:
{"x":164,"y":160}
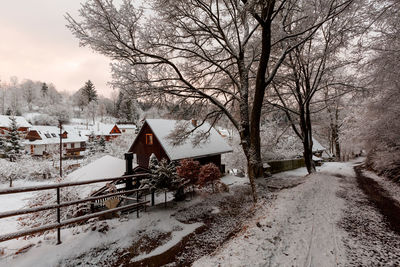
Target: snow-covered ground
{"x":104,"y":167}
{"x":300,"y":220}
{"x":298,"y":230}
{"x":82,"y":240}
{"x":10,"y":224}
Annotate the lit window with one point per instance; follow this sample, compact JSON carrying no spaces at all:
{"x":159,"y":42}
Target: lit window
{"x":149,"y":139}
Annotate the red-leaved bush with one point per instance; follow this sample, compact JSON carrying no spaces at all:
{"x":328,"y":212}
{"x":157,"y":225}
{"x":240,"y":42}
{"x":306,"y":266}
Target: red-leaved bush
{"x":189,"y":170}
{"x":208,"y":174}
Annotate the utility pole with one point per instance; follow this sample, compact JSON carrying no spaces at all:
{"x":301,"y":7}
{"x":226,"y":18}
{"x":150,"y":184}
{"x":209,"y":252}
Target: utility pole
{"x":60,"y":125}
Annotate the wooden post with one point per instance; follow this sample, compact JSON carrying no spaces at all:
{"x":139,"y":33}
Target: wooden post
{"x":165,"y":198}
{"x":152,"y":197}
{"x":137,"y":201}
{"x":58,"y":217}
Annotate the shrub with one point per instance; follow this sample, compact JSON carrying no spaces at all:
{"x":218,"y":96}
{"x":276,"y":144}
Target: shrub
{"x":209,"y":173}
{"x":189,"y":170}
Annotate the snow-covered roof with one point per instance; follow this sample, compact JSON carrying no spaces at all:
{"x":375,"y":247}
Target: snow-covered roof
{"x":21,"y":121}
{"x":126,"y":126}
{"x":317,"y":146}
{"x":50,"y":135}
{"x":326,"y":154}
{"x":104,"y":167}
{"x":315,"y":158}
{"x":214,"y":144}
{"x":102,"y":128}
{"x":97,"y":129}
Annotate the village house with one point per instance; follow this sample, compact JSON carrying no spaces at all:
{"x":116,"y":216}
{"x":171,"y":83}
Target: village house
{"x":107,"y":131}
{"x":22,"y":124}
{"x":154,"y":138}
{"x":127,"y":128}
{"x":45,"y":140}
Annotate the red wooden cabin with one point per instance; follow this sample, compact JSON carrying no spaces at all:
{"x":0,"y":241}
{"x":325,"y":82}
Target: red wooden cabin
{"x":154,"y":137}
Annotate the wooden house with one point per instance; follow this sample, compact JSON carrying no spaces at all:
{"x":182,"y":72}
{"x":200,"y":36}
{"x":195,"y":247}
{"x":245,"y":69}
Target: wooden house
{"x":44,"y":140}
{"x":22,"y":124}
{"x":154,"y":138}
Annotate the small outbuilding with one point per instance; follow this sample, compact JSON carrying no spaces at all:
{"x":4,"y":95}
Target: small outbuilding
{"x":155,"y":138}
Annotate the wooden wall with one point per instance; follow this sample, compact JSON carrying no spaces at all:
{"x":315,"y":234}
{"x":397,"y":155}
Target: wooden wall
{"x":144,"y":151}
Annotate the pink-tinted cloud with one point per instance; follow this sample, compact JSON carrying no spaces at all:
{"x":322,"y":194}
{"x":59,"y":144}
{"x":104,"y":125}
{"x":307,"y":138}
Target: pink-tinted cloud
{"x":35,"y":44}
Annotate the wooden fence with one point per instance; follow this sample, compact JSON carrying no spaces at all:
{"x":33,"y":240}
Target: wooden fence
{"x":285,"y":165}
{"x":59,"y":224}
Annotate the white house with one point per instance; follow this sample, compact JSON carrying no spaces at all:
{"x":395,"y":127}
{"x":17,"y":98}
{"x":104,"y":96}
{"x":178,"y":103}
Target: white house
{"x":44,"y":140}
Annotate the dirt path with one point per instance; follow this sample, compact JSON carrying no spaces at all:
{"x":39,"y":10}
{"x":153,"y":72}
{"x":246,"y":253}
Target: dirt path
{"x":299,"y":230}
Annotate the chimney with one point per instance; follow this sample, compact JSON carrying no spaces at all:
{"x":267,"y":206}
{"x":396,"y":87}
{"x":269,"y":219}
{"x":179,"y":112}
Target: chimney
{"x":194,"y":123}
{"x":129,"y":170}
{"x":128,"y":163}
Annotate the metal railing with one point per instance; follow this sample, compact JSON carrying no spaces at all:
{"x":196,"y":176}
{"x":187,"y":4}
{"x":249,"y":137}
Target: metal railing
{"x":59,"y":224}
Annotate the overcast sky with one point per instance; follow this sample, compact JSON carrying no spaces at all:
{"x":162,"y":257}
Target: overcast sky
{"x":36,"y":45}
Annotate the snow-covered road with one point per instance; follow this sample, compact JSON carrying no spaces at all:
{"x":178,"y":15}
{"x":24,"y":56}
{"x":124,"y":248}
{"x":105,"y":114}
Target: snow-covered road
{"x":299,"y":230}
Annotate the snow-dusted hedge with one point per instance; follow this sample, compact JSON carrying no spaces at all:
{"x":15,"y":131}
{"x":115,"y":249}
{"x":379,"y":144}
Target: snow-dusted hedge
{"x":27,"y":169}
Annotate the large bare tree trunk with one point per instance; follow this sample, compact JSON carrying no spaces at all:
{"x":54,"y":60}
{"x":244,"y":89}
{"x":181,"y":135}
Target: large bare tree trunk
{"x":305,"y":125}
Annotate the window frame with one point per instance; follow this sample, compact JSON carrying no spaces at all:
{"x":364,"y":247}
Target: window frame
{"x":149,"y":139}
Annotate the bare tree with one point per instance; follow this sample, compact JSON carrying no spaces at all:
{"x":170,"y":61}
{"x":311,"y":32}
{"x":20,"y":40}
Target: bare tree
{"x":380,"y":123}
{"x":205,"y":51}
{"x":312,"y":68}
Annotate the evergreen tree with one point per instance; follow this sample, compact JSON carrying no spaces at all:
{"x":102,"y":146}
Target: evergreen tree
{"x":44,"y":90}
{"x":102,"y":144}
{"x":153,"y":166}
{"x":13,"y":139}
{"x":91,"y":146}
{"x":9,"y":111}
{"x":89,"y":92}
{"x":2,"y":144}
{"x":165,"y":176}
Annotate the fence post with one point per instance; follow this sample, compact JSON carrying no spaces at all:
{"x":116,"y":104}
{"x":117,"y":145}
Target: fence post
{"x":137,"y":201}
{"x":58,"y":217}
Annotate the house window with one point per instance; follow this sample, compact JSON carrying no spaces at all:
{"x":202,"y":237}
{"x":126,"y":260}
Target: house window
{"x":149,"y":139}
{"x":72,"y":145}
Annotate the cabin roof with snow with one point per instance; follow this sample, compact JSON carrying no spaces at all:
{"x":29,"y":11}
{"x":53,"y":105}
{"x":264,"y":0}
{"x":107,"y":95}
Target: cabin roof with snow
{"x":214,"y":145}
{"x":99,"y":129}
{"x":105,"y":129}
{"x":127,"y":126}
{"x":44,"y":135}
{"x":21,"y":121}
{"x":317,"y":147}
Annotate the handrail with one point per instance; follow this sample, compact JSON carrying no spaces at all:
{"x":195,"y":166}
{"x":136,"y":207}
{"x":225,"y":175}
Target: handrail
{"x":67,"y":184}
{"x":39,"y":229}
{"x":55,"y":206}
